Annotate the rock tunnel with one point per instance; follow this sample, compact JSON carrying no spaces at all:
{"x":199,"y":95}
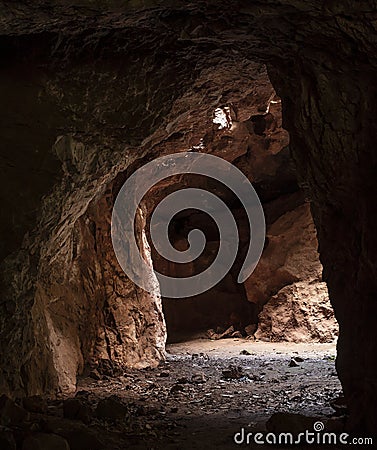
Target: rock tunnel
{"x":92,"y":91}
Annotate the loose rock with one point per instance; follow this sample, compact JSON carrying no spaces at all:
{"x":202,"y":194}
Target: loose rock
{"x":233,"y":372}
{"x":111,"y":408}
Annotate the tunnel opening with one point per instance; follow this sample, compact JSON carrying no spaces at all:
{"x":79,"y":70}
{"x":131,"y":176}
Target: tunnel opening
{"x":267,"y":306}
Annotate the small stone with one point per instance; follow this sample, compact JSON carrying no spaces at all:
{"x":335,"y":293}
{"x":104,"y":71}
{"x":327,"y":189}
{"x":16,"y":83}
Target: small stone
{"x":298,"y":359}
{"x":164,"y":374}
{"x":176,"y":388}
{"x":111,"y":408}
{"x":85,"y":414}
{"x":82,"y":394}
{"x":244,"y":352}
{"x":71,"y":408}
{"x":42,"y":441}
{"x":233,"y":372}
{"x":198,"y":378}
{"x":292,"y":363}
{"x":183,"y":380}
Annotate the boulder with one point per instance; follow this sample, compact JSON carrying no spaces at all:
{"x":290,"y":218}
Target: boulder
{"x":300,"y":312}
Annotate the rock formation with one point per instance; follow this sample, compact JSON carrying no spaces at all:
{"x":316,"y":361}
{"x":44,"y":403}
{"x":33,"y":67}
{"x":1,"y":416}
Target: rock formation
{"x":91,"y":91}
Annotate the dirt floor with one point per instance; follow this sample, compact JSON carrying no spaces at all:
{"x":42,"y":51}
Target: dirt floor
{"x":207,"y":390}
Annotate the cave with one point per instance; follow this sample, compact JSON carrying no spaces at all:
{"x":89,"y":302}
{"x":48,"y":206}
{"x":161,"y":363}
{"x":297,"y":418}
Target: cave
{"x":95,"y":92}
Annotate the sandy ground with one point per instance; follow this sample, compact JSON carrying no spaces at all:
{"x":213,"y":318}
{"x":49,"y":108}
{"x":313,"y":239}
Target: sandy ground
{"x":188,"y":402}
{"x":227,"y":348}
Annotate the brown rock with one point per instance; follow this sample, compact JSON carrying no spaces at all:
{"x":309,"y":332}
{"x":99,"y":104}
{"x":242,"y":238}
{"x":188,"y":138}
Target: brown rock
{"x":111,"y":408}
{"x":251,"y":329}
{"x":300,"y":312}
{"x":71,"y":408}
{"x":237,"y":334}
{"x":95,"y":374}
{"x":164,"y":374}
{"x":74,"y":408}
{"x":290,"y":255}
{"x":212,"y":334}
{"x":198,"y":378}
{"x":77,"y":435}
{"x":233,"y":373}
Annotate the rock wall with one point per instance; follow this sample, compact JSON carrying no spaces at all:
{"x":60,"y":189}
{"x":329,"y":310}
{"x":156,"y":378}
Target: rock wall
{"x":287,"y":283}
{"x":93,"y":311}
{"x":299,"y":312}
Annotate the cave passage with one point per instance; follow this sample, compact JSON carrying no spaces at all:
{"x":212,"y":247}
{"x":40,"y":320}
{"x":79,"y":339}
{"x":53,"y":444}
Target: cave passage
{"x":220,"y":307}
{"x":285,"y":299}
{"x":93,"y":91}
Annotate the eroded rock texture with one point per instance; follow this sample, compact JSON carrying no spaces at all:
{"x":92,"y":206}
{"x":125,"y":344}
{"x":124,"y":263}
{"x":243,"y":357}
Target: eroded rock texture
{"x":299,"y":312}
{"x":288,"y":282}
{"x":252,"y":139}
{"x":108,"y":83}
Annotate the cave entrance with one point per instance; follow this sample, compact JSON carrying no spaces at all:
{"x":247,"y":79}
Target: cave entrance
{"x":285,"y":299}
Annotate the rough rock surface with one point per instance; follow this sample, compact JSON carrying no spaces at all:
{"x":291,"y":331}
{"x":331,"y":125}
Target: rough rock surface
{"x":300,"y":312}
{"x":93,"y":74}
{"x":253,"y":139}
{"x":288,"y":282}
{"x":290,"y":255}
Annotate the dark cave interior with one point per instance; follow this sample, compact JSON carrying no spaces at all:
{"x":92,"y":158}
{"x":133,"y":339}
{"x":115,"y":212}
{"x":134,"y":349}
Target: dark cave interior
{"x":92,"y":91}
